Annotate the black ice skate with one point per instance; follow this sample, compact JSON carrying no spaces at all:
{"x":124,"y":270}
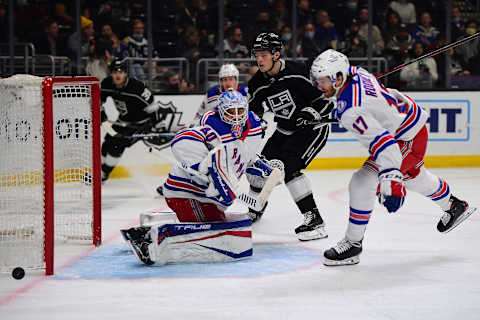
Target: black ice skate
{"x":458,"y":212}
{"x":139,"y":239}
{"x":256,"y":215}
{"x":160,"y":190}
{"x":312,"y":228}
{"x":346,"y":252}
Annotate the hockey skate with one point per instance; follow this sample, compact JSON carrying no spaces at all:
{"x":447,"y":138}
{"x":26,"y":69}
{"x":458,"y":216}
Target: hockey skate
{"x":346,"y":252}
{"x":312,"y":228}
{"x":256,"y":215}
{"x":138,"y":239}
{"x":458,"y":212}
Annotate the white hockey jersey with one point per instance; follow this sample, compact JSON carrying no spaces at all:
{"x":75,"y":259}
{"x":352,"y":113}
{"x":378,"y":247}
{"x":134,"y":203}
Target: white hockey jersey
{"x":378,"y":117}
{"x":191,"y":146}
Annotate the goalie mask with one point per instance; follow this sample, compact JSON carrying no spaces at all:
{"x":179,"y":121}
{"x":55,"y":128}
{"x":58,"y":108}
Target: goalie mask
{"x":233,"y":110}
{"x":330,"y":64}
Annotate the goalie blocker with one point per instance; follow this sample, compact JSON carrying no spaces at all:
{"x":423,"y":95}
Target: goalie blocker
{"x":191,"y":242}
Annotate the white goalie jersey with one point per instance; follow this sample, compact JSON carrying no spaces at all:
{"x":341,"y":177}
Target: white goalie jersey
{"x":378,"y":117}
{"x":192,"y":146}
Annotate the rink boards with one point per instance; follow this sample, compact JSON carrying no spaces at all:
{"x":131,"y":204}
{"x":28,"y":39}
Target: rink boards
{"x":454,"y":135}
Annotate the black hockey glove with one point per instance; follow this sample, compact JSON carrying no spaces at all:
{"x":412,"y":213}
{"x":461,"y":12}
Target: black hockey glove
{"x":307,"y":116}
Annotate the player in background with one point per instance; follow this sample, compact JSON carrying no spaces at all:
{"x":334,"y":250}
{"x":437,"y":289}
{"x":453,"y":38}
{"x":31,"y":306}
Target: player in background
{"x":137,"y":113}
{"x":211,"y":158}
{"x":285,"y":88}
{"x":392,"y":127}
{"x":228,"y":78}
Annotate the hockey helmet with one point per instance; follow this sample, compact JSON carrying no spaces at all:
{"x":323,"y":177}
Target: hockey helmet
{"x":233,"y":107}
{"x":228,"y":70}
{"x":268,"y":41}
{"x":118,"y":65}
{"x":330,"y":64}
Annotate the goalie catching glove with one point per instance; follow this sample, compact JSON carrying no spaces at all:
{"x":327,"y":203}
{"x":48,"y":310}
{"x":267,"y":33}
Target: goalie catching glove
{"x":391,"y":191}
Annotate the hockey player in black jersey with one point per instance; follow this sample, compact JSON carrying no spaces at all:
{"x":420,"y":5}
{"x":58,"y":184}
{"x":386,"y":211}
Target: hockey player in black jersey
{"x":285,"y":88}
{"x":137,"y":114}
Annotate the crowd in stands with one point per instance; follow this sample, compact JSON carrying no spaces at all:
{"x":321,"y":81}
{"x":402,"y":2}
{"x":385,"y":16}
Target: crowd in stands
{"x":402,"y":30}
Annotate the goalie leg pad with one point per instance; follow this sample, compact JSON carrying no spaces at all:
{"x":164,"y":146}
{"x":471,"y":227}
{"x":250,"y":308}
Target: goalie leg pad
{"x":201,"y":242}
{"x":191,"y":210}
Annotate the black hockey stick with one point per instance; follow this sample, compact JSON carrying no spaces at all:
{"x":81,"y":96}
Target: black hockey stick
{"x":433,"y":53}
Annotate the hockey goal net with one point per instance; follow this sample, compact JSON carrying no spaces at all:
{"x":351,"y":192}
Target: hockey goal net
{"x":50,"y":180}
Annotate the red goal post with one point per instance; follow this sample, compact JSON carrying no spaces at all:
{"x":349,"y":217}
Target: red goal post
{"x":50,"y":167}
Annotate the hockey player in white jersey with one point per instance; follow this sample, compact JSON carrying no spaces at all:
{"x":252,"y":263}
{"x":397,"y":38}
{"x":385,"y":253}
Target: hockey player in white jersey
{"x":228,"y":78}
{"x":203,"y":182}
{"x":392,"y":127}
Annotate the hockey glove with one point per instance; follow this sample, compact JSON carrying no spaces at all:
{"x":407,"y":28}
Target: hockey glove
{"x":259,"y":168}
{"x":307,"y":116}
{"x":391,"y":191}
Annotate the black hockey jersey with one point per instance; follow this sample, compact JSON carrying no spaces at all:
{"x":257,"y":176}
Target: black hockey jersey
{"x":285,"y":94}
{"x":130,"y":100}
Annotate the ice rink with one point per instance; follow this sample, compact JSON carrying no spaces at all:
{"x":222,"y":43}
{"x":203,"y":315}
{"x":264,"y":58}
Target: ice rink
{"x":408,"y":270}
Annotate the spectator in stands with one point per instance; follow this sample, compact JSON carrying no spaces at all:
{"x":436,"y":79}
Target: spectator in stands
{"x":137,"y":47}
{"x":377,"y":39}
{"x":310,"y":48}
{"x":470,"y":51}
{"x":286,"y":35}
{"x":48,"y":43}
{"x":422,"y":74}
{"x":64,"y":19}
{"x":173,"y":84}
{"x":354,"y":46}
{"x":189,"y":16}
{"x":232,"y":45}
{"x":392,"y":24}
{"x":99,"y":61}
{"x":304,"y":14}
{"x":105,"y":14}
{"x":87,"y":40}
{"x":191,"y":48}
{"x":458,"y":25}
{"x":406,"y":11}
{"x":281,"y":16}
{"x":397,"y":49}
{"x":426,"y":32}
{"x":325,"y":32}
{"x":119,"y":50}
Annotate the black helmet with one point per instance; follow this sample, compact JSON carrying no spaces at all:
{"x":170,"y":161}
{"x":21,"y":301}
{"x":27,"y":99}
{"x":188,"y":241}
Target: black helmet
{"x":267,"y":41}
{"x":118,"y":65}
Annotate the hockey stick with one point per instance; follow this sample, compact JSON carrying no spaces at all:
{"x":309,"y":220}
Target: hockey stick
{"x":256,"y":202}
{"x":433,"y":53}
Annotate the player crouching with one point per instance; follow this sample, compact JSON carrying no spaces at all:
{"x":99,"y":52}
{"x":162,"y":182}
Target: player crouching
{"x":203,"y":183}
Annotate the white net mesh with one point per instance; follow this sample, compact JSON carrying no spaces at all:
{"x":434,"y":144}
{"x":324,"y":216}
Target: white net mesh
{"x":21,"y":168}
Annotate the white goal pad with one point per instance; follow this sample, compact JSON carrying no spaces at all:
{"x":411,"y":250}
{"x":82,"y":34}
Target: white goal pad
{"x":202,"y":242}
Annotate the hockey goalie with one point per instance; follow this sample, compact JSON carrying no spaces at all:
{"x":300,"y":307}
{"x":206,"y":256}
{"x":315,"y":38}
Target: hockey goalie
{"x":203,"y":183}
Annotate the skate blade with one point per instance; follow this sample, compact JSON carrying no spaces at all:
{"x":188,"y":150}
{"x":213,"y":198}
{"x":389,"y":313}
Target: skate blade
{"x":462,"y":218}
{"x":344,"y":262}
{"x":316,"y":234}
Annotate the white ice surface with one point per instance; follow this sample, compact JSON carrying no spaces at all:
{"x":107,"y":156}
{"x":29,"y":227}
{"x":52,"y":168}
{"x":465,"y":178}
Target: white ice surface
{"x":407,"y":270}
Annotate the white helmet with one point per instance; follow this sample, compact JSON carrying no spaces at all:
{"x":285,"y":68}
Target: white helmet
{"x":329,"y":64}
{"x":228,"y":70}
